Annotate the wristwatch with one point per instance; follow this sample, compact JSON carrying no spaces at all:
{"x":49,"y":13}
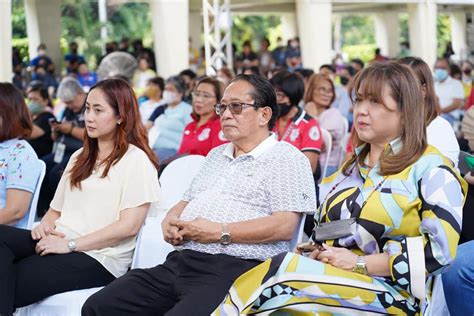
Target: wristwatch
{"x":360,"y":266}
{"x":71,"y":244}
{"x":225,"y":235}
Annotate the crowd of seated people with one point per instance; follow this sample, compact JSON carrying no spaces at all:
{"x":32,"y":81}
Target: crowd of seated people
{"x":392,"y":170}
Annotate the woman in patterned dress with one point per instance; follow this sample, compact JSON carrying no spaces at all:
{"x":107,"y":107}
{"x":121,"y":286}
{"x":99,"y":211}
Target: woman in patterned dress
{"x":406,"y":200}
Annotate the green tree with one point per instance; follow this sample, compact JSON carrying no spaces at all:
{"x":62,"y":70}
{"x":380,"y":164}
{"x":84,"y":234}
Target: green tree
{"x":18,"y":19}
{"x":255,"y":28}
{"x":357,"y":30}
{"x":443,"y":33}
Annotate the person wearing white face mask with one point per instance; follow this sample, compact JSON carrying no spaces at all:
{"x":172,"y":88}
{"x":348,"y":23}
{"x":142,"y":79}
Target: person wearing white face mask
{"x":450,"y":92}
{"x":171,"y":119}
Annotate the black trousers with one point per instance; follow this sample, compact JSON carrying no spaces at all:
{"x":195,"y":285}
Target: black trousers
{"x":187,"y":283}
{"x":26,"y":277}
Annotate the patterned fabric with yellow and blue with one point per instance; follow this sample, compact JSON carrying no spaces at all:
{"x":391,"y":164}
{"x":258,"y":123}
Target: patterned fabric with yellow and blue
{"x":414,"y":216}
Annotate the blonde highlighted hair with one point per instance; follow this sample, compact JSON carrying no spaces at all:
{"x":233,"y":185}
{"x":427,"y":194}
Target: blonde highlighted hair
{"x":313,"y":82}
{"x":404,"y":87}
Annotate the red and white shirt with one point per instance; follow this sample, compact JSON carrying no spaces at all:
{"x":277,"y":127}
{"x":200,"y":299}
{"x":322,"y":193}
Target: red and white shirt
{"x":200,"y":140}
{"x":303,"y":132}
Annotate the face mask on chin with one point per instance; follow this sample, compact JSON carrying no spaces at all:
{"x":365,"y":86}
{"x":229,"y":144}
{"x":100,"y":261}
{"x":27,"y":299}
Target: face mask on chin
{"x":285,"y":108}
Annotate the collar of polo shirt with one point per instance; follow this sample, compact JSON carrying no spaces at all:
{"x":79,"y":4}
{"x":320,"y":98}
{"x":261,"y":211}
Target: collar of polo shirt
{"x":269,"y":142}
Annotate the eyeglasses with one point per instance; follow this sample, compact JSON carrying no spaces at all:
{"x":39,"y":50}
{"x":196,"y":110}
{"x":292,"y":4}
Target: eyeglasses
{"x":234,"y":107}
{"x":324,"y":90}
{"x":197,"y":94}
{"x":280,"y":95}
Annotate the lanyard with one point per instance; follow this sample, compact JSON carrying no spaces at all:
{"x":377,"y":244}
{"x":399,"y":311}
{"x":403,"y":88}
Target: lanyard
{"x":378,"y":186}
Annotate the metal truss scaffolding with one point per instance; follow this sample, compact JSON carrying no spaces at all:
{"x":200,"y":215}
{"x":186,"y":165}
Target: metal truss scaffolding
{"x":217,"y":34}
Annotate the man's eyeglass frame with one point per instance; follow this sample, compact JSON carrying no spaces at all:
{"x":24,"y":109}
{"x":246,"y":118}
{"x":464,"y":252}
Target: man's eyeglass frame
{"x":234,"y":107}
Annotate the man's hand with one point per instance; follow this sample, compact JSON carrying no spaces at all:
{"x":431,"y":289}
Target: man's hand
{"x":42,"y":230}
{"x":52,"y":244}
{"x":337,"y":257}
{"x":171,"y":233}
{"x":63,"y":127}
{"x":200,"y":230}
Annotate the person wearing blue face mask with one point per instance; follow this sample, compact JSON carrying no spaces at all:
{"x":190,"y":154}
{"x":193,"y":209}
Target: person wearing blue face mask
{"x":449,"y":91}
{"x":40,"y":107}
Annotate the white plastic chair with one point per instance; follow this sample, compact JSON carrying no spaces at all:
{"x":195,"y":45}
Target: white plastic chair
{"x":151,"y":248}
{"x":68,"y":303}
{"x":176,"y":178}
{"x":327,"y":140}
{"x":298,"y":234}
{"x":34,"y":201}
{"x":436,"y":306}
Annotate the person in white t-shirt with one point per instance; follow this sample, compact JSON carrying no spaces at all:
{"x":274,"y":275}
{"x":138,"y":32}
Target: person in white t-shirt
{"x":88,"y":236}
{"x":449,"y":91}
{"x":439,"y":132}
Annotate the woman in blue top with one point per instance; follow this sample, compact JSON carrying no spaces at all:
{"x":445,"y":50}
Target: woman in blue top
{"x":171,"y":122}
{"x":19,"y":167}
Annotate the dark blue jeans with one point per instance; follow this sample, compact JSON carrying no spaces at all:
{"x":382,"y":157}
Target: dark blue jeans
{"x":458,"y":281}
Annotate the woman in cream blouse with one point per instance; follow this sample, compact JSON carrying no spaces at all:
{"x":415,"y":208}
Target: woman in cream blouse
{"x":88,"y":236}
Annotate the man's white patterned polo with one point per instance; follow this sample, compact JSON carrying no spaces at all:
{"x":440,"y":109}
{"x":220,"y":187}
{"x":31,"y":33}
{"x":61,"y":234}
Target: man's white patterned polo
{"x":275,"y":176}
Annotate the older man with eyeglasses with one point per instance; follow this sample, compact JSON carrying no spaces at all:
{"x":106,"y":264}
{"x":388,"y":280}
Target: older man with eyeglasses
{"x":242,"y":208}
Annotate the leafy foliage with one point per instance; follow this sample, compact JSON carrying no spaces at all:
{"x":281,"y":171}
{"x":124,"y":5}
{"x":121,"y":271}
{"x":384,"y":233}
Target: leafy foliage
{"x":357,"y":30}
{"x":255,"y":28}
{"x":443,"y":33}
{"x":18,"y":19}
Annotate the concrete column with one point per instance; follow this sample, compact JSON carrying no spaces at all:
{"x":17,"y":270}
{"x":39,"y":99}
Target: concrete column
{"x":196,"y":29}
{"x":288,"y":26}
{"x":337,"y":35}
{"x":387,"y":33}
{"x":422,"y":30}
{"x":43,"y":25}
{"x":6,"y":72}
{"x":170,"y":25}
{"x":459,"y":35}
{"x":314,"y":25}
{"x":32,"y":27}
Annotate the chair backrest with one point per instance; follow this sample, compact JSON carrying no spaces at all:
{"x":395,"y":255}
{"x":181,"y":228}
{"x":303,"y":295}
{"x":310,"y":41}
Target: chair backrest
{"x":176,"y":178}
{"x":327,"y":140}
{"x":298,"y":234}
{"x":463,"y":166}
{"x":344,"y":140}
{"x":34,"y":200}
{"x":151,"y":248}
